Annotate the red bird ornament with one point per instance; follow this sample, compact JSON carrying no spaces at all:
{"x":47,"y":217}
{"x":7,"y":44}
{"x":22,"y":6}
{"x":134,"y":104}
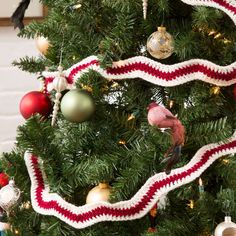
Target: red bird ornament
{"x":161,"y":117}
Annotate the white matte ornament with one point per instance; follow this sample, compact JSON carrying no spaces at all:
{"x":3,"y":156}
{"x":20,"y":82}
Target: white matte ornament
{"x":160,"y":44}
{"x":9,"y":196}
{"x":226,"y":228}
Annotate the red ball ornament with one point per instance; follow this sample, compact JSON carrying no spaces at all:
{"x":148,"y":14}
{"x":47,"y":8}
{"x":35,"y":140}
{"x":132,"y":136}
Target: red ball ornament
{"x":35,"y":102}
{"x":4,"y":180}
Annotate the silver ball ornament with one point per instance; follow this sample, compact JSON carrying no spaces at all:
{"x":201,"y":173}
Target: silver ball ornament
{"x":160,"y":44}
{"x":9,"y":196}
{"x":77,"y":105}
{"x":226,"y":228}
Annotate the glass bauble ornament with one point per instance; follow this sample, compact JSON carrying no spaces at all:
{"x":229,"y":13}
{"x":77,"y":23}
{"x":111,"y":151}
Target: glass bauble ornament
{"x":160,"y":44}
{"x":9,"y":196}
{"x":226,"y":228}
{"x":99,"y":193}
{"x":35,"y":102}
{"x":77,"y":105}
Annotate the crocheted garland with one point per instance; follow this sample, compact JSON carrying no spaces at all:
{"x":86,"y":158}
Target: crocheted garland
{"x":47,"y":203}
{"x":228,"y":6}
{"x":152,"y":71}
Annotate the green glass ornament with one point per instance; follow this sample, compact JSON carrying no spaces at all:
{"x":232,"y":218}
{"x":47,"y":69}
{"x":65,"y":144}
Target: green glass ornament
{"x":77,"y":105}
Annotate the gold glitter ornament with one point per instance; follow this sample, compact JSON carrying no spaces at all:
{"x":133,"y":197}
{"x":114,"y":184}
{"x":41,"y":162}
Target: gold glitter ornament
{"x":160,"y":44}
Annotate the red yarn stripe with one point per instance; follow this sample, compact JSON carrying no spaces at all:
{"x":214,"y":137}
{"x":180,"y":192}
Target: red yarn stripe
{"x":81,"y":68}
{"x":167,"y":76}
{"x":226,"y":5}
{"x":103,"y":210}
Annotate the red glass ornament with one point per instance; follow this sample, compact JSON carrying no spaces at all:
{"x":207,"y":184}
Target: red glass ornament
{"x":4,"y":180}
{"x":35,"y":102}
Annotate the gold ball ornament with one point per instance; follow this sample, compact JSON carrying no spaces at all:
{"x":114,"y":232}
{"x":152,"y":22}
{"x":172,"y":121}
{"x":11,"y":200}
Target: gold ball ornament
{"x":226,"y":228}
{"x":160,"y":44}
{"x":100,"y":193}
{"x":42,"y":44}
{"x":77,"y":105}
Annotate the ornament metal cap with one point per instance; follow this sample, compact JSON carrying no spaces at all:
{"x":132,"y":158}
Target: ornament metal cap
{"x":228,"y":219}
{"x":103,"y":185}
{"x":161,"y":29}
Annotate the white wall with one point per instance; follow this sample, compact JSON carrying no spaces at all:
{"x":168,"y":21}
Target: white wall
{"x":13,"y":83}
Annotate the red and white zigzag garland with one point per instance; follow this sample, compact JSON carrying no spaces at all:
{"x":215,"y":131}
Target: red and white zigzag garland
{"x":47,"y":203}
{"x":160,"y":184}
{"x":152,"y":71}
{"x":228,"y":6}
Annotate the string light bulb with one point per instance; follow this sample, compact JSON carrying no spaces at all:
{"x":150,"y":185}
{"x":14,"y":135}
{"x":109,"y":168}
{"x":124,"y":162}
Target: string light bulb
{"x":87,"y":87}
{"x":200,"y":187}
{"x":171,"y":103}
{"x":27,"y":205}
{"x":217,"y":36}
{"x":215,"y":90}
{"x":131,"y":117}
{"x":227,"y":41}
{"x":122,"y":142}
{"x":76,"y":6}
{"x":212,"y":32}
{"x":191,"y":204}
{"x":114,"y":85}
{"x":226,"y":161}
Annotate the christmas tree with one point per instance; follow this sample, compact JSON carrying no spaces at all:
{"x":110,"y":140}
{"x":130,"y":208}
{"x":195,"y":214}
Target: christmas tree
{"x":102,"y":136}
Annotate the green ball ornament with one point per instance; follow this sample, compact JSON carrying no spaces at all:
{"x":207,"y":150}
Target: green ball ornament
{"x":77,"y":105}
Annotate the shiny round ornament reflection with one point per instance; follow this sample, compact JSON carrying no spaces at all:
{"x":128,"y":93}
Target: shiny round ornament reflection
{"x":35,"y":102}
{"x":226,"y":228}
{"x":160,"y":44}
{"x":100,"y":193}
